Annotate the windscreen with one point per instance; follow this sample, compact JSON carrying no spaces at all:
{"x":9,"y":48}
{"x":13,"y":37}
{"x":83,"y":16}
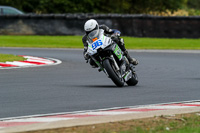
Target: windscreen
{"x":94,"y":35}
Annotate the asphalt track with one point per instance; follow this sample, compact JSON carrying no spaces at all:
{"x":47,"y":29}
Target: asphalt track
{"x":75,"y":86}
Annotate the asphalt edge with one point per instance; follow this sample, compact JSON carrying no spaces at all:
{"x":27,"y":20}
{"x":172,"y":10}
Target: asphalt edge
{"x":102,"y":119}
{"x":95,"y":110}
{"x":132,"y":50}
{"x":97,"y":120}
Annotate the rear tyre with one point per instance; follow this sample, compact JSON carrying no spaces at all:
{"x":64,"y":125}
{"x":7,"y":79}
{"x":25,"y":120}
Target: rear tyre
{"x":110,"y":69}
{"x":133,"y":80}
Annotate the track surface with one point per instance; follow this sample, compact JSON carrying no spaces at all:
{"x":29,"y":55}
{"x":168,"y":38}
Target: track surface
{"x":75,"y":86}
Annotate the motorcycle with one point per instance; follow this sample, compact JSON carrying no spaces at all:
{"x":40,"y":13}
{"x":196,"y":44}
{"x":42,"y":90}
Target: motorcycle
{"x":110,"y":58}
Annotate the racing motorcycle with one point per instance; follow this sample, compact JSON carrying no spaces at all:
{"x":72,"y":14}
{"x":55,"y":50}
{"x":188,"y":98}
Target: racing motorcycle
{"x":110,"y":58}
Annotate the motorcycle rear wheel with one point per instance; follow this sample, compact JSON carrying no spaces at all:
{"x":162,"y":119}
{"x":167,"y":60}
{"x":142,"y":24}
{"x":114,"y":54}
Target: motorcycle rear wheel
{"x":112,"y":73}
{"x":133,"y":80}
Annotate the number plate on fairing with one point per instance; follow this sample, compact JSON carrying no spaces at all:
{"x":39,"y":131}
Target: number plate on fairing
{"x":96,"y":44}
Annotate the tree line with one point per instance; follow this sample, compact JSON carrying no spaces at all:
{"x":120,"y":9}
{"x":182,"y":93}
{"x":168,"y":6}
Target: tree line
{"x":100,"y":6}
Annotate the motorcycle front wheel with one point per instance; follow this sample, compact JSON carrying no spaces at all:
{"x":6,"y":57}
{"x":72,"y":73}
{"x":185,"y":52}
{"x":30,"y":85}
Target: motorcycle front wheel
{"x":112,"y":72}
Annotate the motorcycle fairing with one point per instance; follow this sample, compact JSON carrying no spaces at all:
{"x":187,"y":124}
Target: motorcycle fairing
{"x":101,"y":41}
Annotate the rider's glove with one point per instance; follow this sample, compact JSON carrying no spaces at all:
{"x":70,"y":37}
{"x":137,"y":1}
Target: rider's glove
{"x":113,"y":36}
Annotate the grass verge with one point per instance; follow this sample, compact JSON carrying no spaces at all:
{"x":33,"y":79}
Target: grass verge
{"x":76,"y":42}
{"x":184,"y":123}
{"x":9,"y":57}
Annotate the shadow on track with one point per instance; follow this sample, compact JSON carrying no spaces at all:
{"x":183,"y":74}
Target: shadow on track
{"x":101,"y":86}
{"x":104,"y":86}
{"x":191,"y":78}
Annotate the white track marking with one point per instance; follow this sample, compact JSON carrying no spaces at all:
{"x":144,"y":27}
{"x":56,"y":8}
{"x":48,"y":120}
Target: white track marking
{"x":38,"y":119}
{"x":46,"y":61}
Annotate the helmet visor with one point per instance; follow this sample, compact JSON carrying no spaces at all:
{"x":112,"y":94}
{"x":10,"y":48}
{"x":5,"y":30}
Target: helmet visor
{"x":96,"y":28}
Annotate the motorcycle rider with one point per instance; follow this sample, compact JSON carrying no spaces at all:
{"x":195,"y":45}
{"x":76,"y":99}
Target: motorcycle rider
{"x":91,"y":25}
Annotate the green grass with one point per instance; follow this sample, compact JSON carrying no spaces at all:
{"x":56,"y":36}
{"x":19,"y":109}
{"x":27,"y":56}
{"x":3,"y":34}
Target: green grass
{"x":76,"y":42}
{"x":41,"y":41}
{"x":189,"y":124}
{"x":9,"y":57}
{"x":162,"y":43}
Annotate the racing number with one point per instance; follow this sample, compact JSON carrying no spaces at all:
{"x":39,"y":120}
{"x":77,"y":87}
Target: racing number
{"x":97,"y":44}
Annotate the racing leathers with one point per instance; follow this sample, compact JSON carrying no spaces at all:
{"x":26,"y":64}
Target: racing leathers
{"x":115,"y":38}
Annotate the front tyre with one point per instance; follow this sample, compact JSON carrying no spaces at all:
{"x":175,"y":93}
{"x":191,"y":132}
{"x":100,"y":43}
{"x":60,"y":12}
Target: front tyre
{"x":110,"y":69}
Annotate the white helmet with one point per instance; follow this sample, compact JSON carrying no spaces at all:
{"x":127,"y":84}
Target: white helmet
{"x":91,"y":25}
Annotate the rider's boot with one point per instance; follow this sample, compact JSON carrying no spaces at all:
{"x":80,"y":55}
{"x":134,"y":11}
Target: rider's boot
{"x":131,"y":60}
{"x":92,"y":63}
